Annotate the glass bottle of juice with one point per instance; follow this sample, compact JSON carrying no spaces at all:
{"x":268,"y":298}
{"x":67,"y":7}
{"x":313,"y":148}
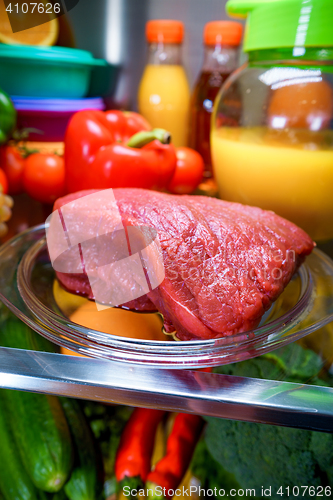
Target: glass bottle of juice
{"x":164,"y":92}
{"x":221,"y":42}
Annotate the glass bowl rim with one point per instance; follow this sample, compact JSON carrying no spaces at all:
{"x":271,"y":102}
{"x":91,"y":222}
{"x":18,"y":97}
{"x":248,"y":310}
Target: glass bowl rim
{"x":40,"y":310}
{"x":171,"y":355}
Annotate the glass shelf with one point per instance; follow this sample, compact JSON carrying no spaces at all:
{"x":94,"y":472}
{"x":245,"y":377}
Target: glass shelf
{"x":113,"y":381}
{"x":225,"y":396}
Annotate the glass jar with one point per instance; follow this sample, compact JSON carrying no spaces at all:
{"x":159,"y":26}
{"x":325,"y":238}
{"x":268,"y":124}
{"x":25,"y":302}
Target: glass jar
{"x":277,"y":150}
{"x":164,"y":92}
{"x":221,"y":42}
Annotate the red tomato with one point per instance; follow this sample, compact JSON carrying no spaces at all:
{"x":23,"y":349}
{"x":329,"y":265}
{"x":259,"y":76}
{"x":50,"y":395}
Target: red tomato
{"x":189,"y":171}
{"x":3,"y":181}
{"x":44,"y":177}
{"x":13,"y":165}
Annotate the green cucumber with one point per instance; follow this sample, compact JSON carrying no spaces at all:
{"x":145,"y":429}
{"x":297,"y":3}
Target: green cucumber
{"x":38,"y":422}
{"x":86,"y":481}
{"x":15,"y":482}
{"x":42,"y":436}
{"x":15,"y":333}
{"x":61,"y":495}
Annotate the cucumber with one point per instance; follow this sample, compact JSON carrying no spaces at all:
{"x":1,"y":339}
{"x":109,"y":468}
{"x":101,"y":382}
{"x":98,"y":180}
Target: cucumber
{"x":15,"y":333}
{"x":15,"y":483}
{"x":42,"y":436}
{"x":86,"y":481}
{"x":38,"y":423}
{"x":61,"y":495}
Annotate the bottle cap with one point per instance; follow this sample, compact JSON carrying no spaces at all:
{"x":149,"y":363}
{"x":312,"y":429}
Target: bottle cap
{"x":284,"y":23}
{"x":223,"y":33}
{"x":165,"y":31}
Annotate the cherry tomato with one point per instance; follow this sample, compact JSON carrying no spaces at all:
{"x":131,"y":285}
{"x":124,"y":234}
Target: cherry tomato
{"x":3,"y":181}
{"x":189,"y":171}
{"x":44,"y":177}
{"x":13,"y":164}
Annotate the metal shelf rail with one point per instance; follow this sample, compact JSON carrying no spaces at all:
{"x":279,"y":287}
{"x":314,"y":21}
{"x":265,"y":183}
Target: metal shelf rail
{"x":238,"y":398}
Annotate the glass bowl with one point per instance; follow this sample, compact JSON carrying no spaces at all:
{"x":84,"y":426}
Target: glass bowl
{"x":26,"y":287}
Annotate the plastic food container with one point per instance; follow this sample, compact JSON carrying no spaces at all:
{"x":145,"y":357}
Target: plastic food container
{"x":272,"y":143}
{"x":46,"y":71}
{"x":50,"y":116}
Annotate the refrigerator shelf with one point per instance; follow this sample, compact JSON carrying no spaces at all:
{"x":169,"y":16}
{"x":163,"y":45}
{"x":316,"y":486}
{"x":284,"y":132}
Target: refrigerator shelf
{"x":238,"y":398}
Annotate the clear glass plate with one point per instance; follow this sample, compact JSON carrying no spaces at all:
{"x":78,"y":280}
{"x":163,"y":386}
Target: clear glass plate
{"x":26,"y":287}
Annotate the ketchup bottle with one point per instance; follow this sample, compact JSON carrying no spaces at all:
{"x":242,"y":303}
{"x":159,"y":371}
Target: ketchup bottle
{"x":221,"y":40}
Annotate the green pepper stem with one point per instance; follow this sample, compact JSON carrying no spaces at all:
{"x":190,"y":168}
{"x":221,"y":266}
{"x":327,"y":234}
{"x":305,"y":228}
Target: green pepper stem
{"x":151,"y":492}
{"x":145,"y":137}
{"x":132,"y":483}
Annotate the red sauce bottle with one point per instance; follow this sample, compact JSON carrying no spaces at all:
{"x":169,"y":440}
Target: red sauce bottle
{"x":221,"y":40}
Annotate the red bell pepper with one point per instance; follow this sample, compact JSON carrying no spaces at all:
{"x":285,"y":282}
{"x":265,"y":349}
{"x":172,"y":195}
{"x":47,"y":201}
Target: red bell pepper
{"x":99,"y":154}
{"x":124,"y":124}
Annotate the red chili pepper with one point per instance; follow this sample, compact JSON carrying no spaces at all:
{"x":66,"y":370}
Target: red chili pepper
{"x":136,"y":445}
{"x":170,"y":470}
{"x":98,"y":154}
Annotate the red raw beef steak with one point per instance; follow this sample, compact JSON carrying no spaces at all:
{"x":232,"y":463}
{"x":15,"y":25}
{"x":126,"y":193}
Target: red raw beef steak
{"x":224,"y":263}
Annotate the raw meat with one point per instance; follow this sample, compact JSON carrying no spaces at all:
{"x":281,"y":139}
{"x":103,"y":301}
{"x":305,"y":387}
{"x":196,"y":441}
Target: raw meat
{"x":225,"y":263}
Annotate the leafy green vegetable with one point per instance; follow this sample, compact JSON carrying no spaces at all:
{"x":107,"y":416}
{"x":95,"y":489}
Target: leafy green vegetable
{"x":244,"y":455}
{"x":211,"y":473}
{"x":107,"y":423}
{"x":264,"y":455}
{"x":292,"y":363}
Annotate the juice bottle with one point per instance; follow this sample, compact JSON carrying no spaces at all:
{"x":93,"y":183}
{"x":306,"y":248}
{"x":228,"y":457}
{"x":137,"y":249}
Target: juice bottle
{"x":221,"y":40}
{"x":164,"y":93}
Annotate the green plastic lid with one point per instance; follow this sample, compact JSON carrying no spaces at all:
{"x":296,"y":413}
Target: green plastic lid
{"x":284,"y":23}
{"x":49,"y":54}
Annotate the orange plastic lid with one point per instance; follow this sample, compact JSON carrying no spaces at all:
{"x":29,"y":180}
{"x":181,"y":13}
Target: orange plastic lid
{"x":223,"y":33}
{"x":165,"y":31}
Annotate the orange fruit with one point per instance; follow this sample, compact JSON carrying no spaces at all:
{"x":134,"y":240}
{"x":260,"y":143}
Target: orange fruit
{"x":119,"y":322}
{"x":302,"y":105}
{"x":63,"y":350}
{"x":45,"y":34}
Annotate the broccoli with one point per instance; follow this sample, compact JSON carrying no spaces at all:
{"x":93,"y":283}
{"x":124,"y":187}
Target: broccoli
{"x":268,"y":456}
{"x":210,"y":473}
{"x":256,"y":456}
